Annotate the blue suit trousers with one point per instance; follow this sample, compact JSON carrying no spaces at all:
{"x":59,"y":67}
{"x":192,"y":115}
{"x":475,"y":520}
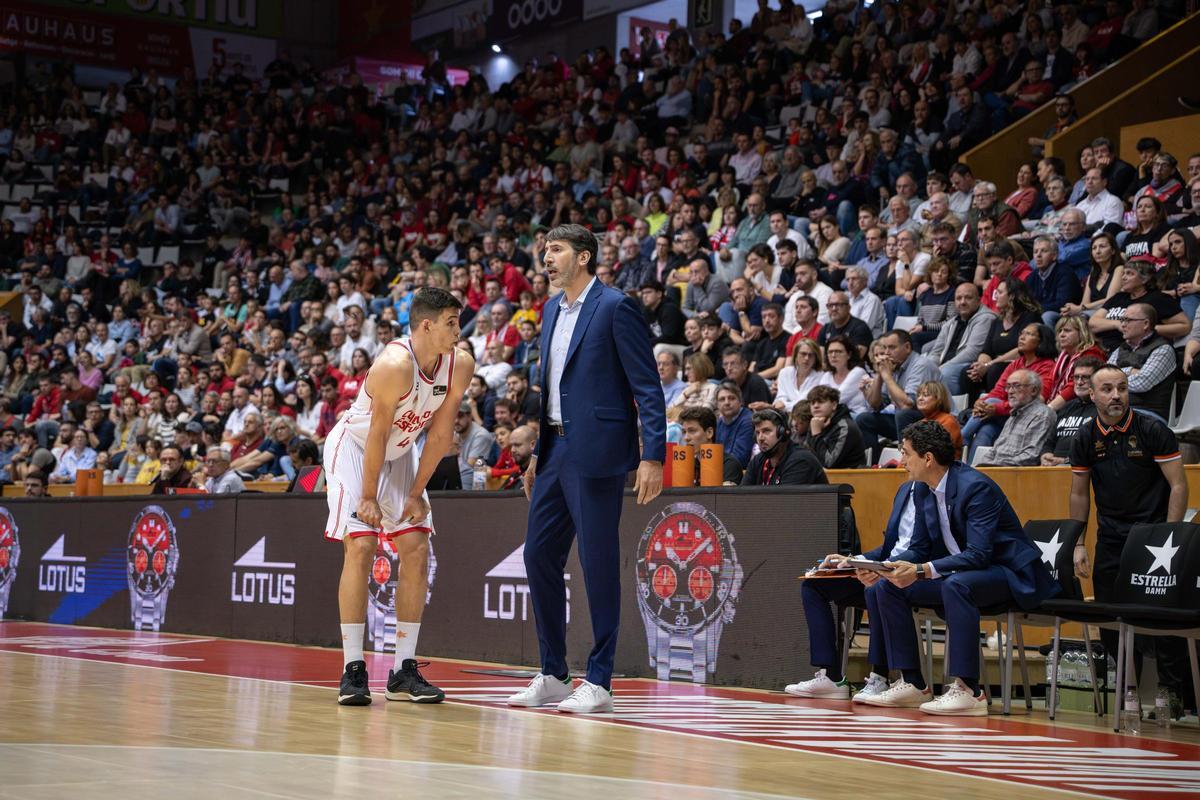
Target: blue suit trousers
{"x":817,"y":597}
{"x":961,"y":595}
{"x":566,"y":505}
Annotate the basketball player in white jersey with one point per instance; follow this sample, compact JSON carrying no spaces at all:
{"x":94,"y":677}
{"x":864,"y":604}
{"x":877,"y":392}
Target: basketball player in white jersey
{"x":376,"y":486}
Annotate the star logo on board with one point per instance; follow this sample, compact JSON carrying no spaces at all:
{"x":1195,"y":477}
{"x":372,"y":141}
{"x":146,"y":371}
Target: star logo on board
{"x":1050,"y":549}
{"x":1163,"y":554}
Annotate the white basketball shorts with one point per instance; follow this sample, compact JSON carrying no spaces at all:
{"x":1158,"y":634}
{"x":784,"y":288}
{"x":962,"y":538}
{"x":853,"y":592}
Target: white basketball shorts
{"x":343,"y":487}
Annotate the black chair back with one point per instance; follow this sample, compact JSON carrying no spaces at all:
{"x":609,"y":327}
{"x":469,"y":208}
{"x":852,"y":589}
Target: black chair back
{"x":1056,"y":538}
{"x":308,"y":480}
{"x":1160,"y":566}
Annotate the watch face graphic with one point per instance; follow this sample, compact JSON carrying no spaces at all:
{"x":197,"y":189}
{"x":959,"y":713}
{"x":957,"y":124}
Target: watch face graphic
{"x":153,"y":553}
{"x":10,"y":556}
{"x":382,"y":584}
{"x":686,"y":567}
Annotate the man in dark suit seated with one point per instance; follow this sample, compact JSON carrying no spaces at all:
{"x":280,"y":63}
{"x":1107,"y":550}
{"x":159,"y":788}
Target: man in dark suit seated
{"x":818,"y":595}
{"x":990,"y":562}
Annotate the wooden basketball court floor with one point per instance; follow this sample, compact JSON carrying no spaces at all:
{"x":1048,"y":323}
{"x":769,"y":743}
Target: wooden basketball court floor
{"x":91,"y":713}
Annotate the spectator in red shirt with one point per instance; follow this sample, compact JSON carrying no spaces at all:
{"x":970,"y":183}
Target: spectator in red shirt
{"x":503,"y":329}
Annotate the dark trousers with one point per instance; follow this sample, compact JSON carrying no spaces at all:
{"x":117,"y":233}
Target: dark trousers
{"x":818,"y":597}
{"x":876,"y":425}
{"x":1169,"y":652}
{"x":566,"y":505}
{"x":961,"y":595}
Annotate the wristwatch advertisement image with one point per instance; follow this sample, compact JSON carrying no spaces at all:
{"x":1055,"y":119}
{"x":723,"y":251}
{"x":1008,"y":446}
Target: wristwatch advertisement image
{"x":381,"y":594}
{"x":151,"y":559}
{"x":689,"y":580}
{"x":10,"y":556}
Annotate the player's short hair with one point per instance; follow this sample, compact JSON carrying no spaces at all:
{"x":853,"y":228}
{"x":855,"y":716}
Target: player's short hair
{"x":430,"y":302}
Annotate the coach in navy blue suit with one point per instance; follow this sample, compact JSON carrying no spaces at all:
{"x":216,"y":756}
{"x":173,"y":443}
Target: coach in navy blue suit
{"x":817,"y":595}
{"x":988,"y":561}
{"x":598,"y":378}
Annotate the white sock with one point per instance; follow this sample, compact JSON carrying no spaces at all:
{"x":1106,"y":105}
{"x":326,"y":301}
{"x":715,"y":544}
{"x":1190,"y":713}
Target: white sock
{"x":406,"y":641}
{"x":352,"y":642}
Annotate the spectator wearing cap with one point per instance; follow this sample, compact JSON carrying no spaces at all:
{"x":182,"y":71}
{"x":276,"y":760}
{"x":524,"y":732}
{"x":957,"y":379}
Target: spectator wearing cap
{"x":664,"y":318}
{"x":473,"y":442}
{"x":218,"y":477}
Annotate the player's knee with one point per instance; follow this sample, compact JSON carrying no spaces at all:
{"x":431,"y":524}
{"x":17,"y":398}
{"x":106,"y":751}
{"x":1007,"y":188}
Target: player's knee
{"x":359,"y":549}
{"x":414,"y":554}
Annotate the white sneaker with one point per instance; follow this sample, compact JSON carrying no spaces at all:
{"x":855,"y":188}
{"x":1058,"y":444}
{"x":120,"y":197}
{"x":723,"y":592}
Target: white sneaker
{"x":588,"y":698}
{"x":819,"y":686}
{"x":901,"y":694}
{"x":542,"y":690}
{"x":958,"y":701}
{"x":875,"y":686}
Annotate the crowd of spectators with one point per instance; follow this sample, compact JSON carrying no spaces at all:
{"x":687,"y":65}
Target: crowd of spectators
{"x":208,"y":265}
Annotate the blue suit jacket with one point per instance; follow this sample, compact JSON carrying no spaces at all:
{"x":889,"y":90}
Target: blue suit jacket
{"x":920,"y":548}
{"x":610,"y":365}
{"x":989,"y":532}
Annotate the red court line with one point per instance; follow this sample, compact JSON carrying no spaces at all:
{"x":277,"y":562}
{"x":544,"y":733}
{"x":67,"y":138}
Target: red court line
{"x":1096,"y":763}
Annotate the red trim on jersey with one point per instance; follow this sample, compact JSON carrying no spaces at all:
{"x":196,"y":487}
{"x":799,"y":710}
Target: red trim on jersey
{"x":337,"y":448}
{"x":1168,"y":457}
{"x":417,"y":365}
{"x":392,"y":534}
{"x":337,"y":517}
{"x":450,"y":375}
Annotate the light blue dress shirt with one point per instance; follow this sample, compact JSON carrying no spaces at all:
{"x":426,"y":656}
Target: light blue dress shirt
{"x":560,"y":343}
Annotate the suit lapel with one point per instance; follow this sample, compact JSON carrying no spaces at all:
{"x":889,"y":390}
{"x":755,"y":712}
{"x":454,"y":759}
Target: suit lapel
{"x":586,"y":312}
{"x":933,"y":520}
{"x":951,"y":498}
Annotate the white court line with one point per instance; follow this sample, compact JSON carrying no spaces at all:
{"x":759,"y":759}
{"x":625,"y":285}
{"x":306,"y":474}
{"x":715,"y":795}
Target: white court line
{"x":596,"y":719}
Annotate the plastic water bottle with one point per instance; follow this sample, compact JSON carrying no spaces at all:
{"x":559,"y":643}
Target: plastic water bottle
{"x":1070,"y":673}
{"x":1162,"y":708}
{"x":479,"y":481}
{"x":1131,"y":713}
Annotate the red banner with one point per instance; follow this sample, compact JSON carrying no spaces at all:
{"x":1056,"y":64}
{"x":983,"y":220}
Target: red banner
{"x":55,"y":33}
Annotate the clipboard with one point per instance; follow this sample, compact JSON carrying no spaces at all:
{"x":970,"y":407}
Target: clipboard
{"x":873,"y":566}
{"x":833,"y":572}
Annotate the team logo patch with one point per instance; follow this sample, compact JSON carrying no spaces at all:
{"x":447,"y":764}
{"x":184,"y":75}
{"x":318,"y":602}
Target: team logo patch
{"x":439,"y":390}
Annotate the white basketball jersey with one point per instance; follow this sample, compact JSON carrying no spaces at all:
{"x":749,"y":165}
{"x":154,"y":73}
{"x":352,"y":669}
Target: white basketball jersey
{"x":412,"y":413}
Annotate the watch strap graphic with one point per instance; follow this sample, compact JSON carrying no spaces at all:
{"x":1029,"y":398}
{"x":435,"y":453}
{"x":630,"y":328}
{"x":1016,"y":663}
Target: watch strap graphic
{"x":691,"y":655}
{"x":5,"y":590}
{"x":148,"y":612}
{"x":382,"y":627}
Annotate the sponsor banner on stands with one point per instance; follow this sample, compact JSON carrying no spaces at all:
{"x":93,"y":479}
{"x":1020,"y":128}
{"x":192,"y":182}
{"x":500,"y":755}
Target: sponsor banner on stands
{"x":709,"y":589}
{"x":262,"y":17}
{"x":117,"y":42}
{"x":511,"y":18}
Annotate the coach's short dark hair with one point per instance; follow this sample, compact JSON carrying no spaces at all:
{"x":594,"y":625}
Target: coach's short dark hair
{"x":430,"y":302}
{"x":701,"y":415}
{"x":579,"y":239}
{"x":928,"y":436}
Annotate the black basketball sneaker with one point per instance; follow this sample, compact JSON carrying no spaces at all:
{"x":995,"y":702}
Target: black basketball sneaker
{"x":407,"y":684}
{"x":354,"y":690}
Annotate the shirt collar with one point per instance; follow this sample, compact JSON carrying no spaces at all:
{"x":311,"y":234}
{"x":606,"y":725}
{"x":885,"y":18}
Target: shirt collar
{"x":941,"y":487}
{"x":562,"y":298}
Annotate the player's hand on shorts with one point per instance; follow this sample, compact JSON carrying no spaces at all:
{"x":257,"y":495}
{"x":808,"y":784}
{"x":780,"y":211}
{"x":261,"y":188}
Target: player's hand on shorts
{"x":527,"y":481}
{"x":415,"y":510}
{"x":368,"y":513}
